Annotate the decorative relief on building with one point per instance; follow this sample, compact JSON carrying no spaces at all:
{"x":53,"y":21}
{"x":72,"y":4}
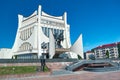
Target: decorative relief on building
{"x":25,"y":34}
{"x":27,"y":25}
{"x":52,"y":23}
{"x":26,"y":46}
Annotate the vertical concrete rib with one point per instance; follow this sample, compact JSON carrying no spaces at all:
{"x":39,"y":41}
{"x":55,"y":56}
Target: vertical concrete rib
{"x":38,"y":31}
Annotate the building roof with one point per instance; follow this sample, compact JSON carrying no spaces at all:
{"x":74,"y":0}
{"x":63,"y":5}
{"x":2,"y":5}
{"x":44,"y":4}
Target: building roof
{"x":118,"y":42}
{"x":107,"y":45}
{"x":89,"y":52}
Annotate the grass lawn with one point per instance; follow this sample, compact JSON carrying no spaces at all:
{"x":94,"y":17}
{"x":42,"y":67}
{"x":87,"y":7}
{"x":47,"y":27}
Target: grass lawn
{"x":17,"y":70}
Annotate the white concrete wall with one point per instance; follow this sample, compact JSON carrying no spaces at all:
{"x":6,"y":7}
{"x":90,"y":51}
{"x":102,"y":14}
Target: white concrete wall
{"x":4,"y":53}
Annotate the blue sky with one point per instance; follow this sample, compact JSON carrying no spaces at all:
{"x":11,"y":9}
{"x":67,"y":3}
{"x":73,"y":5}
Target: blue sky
{"x":97,"y":20}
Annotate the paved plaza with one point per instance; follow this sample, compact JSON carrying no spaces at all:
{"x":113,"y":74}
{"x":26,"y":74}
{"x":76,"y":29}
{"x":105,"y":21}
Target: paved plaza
{"x":81,"y":75}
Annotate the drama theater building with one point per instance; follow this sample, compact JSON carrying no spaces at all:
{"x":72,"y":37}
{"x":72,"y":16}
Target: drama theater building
{"x":42,"y":34}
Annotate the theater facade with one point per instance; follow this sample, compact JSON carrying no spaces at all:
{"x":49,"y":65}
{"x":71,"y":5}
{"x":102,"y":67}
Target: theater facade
{"x":43,"y":35}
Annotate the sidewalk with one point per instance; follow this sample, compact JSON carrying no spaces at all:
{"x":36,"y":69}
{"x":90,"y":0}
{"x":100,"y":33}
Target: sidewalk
{"x":81,"y":75}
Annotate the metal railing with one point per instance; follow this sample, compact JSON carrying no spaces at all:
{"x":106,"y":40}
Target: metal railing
{"x":35,"y":60}
{"x":73,"y":66}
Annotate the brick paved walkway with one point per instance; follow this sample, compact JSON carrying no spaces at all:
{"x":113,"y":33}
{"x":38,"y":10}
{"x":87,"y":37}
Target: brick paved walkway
{"x":83,"y":75}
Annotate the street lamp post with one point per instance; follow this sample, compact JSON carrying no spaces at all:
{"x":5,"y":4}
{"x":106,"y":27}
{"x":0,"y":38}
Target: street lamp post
{"x":43,"y":57}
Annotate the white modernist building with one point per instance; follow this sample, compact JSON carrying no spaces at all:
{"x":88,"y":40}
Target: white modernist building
{"x":42,"y":33}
